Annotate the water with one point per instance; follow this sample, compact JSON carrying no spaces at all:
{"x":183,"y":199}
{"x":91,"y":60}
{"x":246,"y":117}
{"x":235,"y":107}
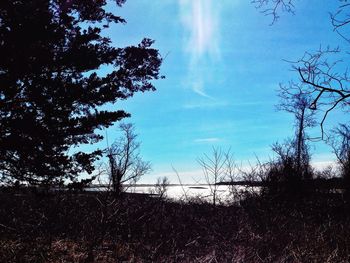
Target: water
{"x":189,"y":192}
{"x":203,"y":192}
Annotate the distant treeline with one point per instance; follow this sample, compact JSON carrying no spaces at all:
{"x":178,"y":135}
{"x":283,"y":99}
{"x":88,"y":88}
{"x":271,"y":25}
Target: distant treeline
{"x":318,"y":183}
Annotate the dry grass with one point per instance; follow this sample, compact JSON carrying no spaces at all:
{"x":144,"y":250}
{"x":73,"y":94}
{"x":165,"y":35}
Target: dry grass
{"x":96,"y":228}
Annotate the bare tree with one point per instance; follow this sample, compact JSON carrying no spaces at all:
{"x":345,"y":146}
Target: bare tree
{"x":217,"y":167}
{"x":321,"y":79}
{"x":294,"y":100}
{"x":213,"y":167}
{"x":231,"y":172}
{"x":161,"y":186}
{"x":125,"y":162}
{"x":340,"y":142}
{"x":321,"y":72}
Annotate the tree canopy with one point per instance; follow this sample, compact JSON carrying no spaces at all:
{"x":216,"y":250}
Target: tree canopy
{"x":51,"y":91}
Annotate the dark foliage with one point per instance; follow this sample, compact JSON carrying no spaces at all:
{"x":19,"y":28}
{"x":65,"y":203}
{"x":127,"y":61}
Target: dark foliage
{"x":51,"y":90}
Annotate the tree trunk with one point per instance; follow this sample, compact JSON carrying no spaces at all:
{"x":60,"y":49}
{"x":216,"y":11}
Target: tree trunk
{"x":300,"y":141}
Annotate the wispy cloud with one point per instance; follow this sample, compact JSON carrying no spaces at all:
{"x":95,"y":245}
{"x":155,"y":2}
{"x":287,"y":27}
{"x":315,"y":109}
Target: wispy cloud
{"x":206,"y":105}
{"x":216,"y":103}
{"x":197,"y":84}
{"x":200,"y":19}
{"x":207,"y":140}
{"x":201,"y":23}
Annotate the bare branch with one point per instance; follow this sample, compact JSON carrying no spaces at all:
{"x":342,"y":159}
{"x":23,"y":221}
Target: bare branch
{"x":274,"y":7}
{"x":321,"y":79}
{"x":340,"y":19}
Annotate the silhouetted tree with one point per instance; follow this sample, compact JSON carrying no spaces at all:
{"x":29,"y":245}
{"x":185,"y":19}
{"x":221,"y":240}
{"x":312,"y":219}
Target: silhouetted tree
{"x":51,"y":89}
{"x":125,"y":162}
{"x":295,"y":101}
{"x":322,"y":73}
{"x":340,"y":142}
{"x":161,"y":186}
{"x":213,"y":167}
{"x":326,"y":76}
{"x":217,"y":167}
{"x":284,"y":175}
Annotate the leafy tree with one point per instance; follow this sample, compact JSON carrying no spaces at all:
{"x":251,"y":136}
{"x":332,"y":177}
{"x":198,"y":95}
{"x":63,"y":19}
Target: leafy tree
{"x":51,"y":91}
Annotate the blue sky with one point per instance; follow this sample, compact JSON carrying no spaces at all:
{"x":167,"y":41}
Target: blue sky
{"x":223,"y":63}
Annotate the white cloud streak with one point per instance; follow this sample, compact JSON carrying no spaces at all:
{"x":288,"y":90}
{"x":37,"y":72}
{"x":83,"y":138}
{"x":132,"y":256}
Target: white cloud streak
{"x":206,"y":105}
{"x":200,"y":20}
{"x":239,"y":106}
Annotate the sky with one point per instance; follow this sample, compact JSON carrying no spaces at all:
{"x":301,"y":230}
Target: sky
{"x":222,"y":62}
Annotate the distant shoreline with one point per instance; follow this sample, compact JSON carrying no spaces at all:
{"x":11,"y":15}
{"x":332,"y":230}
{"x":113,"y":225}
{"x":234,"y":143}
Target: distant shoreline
{"x":244,"y":183}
